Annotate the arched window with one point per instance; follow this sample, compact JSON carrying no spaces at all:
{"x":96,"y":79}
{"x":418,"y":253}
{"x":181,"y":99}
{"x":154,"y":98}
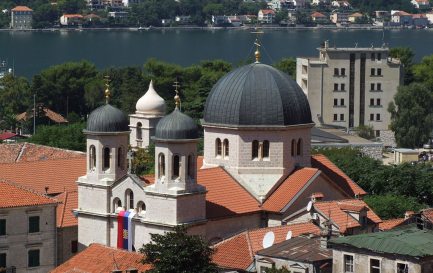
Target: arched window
{"x":129,"y":199}
{"x":138,"y":132}
{"x":176,"y":166}
{"x":265,"y":149}
{"x":92,"y":157}
{"x":255,"y":149}
{"x":191,"y":166}
{"x":120,"y":158}
{"x":161,"y":165}
{"x":141,"y":207}
{"x":107,"y":155}
{"x":299,"y":147}
{"x":117,"y":205}
{"x":293,"y":148}
{"x":226,"y":147}
{"x":218,"y":148}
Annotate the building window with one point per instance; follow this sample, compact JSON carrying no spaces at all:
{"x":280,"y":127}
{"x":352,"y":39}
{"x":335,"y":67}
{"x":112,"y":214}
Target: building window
{"x":372,"y":86}
{"x":74,"y":246}
{"x":226,"y":147}
{"x":265,"y":149}
{"x":378,"y":103}
{"x":130,"y":199}
{"x":373,"y":56}
{"x":379,"y":86}
{"x":218,"y":147}
{"x":299,"y":147}
{"x":371,"y":116}
{"x":255,"y":149}
{"x":379,"y":56}
{"x":342,"y":102}
{"x":2,"y":227}
{"x":335,"y":102}
{"x":374,"y":266}
{"x":342,"y":87}
{"x":378,"y":117}
{"x":335,"y":71}
{"x":335,"y":117}
{"x":176,"y":166}
{"x":141,"y":206}
{"x":139,"y":132}
{"x":92,"y":157}
{"x":3,"y":260}
{"x":373,"y":72}
{"x":343,"y":72}
{"x":293,"y":151}
{"x":106,"y":158}
{"x":341,"y":117}
{"x":402,"y":268}
{"x":335,"y":86}
{"x":348,"y":263}
{"x":120,"y":161}
{"x":371,"y":102}
{"x":191,"y":166}
{"x":379,"y":71}
{"x":161,"y":165}
{"x":33,"y":258}
{"x":116,"y":204}
{"x":33,"y":224}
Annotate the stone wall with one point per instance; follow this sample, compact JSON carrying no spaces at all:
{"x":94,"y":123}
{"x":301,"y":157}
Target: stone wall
{"x":373,"y":150}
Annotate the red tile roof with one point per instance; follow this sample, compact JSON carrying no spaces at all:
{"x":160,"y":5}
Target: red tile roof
{"x":335,"y":174}
{"x":428,"y":213}
{"x":401,"y":13}
{"x":58,"y":175}
{"x":102,"y":259}
{"x":238,"y":252}
{"x":22,"y":8}
{"x":7,"y":135}
{"x":14,"y":195}
{"x":73,"y":15}
{"x":267,"y":11}
{"x":289,"y":188}
{"x":56,"y":117}
{"x":225,"y":196}
{"x":391,"y":223}
{"x":65,"y":217}
{"x":336,"y":211}
{"x":317,"y":14}
{"x":19,"y":152}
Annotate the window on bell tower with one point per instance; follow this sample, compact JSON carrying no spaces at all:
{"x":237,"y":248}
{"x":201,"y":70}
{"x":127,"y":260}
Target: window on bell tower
{"x":107,"y":156}
{"x":299,"y":147}
{"x":92,"y":157}
{"x":226,"y":147}
{"x":265,"y":149}
{"x":138,"y":132}
{"x":218,"y":148}
{"x":120,"y":158}
{"x":176,"y":166}
{"x":191,"y":166}
{"x":161,"y":164}
{"x":255,"y":149}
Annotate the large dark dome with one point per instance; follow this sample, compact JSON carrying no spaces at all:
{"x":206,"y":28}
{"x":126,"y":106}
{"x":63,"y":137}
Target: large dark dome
{"x":106,"y":119}
{"x":176,"y":125}
{"x":257,"y":95}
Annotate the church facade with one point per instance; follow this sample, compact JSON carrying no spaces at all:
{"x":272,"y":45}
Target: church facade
{"x":256,"y":171}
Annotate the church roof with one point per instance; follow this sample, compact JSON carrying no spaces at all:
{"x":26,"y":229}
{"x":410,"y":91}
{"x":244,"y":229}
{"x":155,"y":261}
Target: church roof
{"x":107,"y":118}
{"x":99,"y":258}
{"x":237,"y":252}
{"x":256,"y":95}
{"x":151,"y":103}
{"x":176,"y":125}
{"x":13,"y":195}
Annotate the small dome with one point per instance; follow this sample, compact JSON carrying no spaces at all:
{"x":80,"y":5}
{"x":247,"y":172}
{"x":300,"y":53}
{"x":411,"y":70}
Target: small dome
{"x":257,"y":95}
{"x":151,"y":103}
{"x":176,"y":125}
{"x":107,"y":118}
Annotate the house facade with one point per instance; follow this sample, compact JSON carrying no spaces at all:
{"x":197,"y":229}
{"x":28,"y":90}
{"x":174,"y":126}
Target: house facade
{"x":21,"y":17}
{"x":266,"y":16}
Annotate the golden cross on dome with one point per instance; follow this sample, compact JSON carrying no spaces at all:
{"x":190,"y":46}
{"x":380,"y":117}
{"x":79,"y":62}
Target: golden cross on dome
{"x":107,"y":89}
{"x":257,"y":44}
{"x":177,"y":97}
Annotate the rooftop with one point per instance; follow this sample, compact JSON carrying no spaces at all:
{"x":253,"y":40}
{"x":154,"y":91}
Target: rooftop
{"x":407,"y":241}
{"x":22,"y":8}
{"x":68,"y":202}
{"x":391,"y":223}
{"x":50,"y":114}
{"x":13,"y":195}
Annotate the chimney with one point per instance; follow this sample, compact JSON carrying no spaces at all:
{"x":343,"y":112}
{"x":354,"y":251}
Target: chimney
{"x":317,"y":196}
{"x":325,"y":234}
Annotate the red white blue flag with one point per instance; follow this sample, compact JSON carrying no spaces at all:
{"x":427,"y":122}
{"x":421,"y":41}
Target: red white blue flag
{"x":124,"y":230}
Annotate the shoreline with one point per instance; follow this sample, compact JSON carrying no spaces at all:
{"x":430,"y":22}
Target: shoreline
{"x":247,"y":28}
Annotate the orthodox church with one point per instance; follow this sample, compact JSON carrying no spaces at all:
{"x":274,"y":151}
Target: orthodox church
{"x":257,"y":169}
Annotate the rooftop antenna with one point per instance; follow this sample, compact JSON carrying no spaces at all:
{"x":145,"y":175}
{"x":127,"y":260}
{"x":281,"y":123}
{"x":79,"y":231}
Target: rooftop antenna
{"x":107,"y":89}
{"x":177,"y":101}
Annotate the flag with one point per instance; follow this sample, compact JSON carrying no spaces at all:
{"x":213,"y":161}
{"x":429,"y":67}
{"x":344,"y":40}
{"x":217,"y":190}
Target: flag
{"x":130,"y":239}
{"x":120,"y":217}
{"x":125,"y":230}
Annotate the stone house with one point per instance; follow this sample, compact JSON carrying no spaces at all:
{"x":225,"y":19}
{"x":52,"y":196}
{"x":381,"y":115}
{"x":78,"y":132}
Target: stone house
{"x":21,"y":17}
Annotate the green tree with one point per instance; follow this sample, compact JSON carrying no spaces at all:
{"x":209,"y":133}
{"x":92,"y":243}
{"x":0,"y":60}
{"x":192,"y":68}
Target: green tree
{"x":15,"y":98}
{"x":392,"y":206}
{"x":423,"y":72}
{"x":281,"y":16}
{"x":365,"y":131}
{"x":45,"y":15}
{"x":287,"y":65}
{"x":412,"y":115}
{"x":61,"y":136}
{"x":405,"y":54}
{"x":176,"y":251}
{"x":144,"y":161}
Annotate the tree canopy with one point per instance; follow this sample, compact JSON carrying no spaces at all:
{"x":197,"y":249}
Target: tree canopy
{"x":176,"y":251}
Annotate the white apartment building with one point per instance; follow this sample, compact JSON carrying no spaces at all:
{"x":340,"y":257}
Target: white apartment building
{"x":349,"y":87}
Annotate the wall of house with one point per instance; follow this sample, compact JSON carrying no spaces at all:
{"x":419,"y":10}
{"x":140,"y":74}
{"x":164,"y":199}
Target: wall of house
{"x":226,"y":227}
{"x":293,"y":266}
{"x":65,"y":236}
{"x":18,"y":241}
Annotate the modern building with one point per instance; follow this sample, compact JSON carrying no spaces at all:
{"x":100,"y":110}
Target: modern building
{"x":351,"y":87}
{"x":403,"y":250}
{"x":27,"y":230}
{"x":21,"y":17}
{"x":339,"y":18}
{"x":266,"y":16}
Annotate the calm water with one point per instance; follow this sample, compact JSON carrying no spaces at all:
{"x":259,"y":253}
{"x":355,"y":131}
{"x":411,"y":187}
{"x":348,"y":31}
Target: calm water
{"x":34,"y":51}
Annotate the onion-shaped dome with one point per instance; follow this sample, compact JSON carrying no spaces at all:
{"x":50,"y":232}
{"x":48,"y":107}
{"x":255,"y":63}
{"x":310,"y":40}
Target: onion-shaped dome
{"x":257,"y":95}
{"x":176,"y":125}
{"x":107,"y":118}
{"x":151,"y":103}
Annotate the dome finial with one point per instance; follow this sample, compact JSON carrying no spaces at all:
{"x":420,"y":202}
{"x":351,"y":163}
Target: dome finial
{"x":177,"y":98}
{"x":258,"y":45}
{"x":107,"y":89}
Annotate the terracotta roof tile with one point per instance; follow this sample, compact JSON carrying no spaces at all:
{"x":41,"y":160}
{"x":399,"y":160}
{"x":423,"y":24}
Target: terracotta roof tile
{"x":238,"y":252}
{"x":102,"y":259}
{"x":288,"y":189}
{"x":428,"y":213}
{"x":335,"y":211}
{"x":65,"y":217}
{"x":225,"y":197}
{"x":58,"y":175}
{"x":391,"y":223}
{"x":7,"y":135}
{"x":56,"y":117}
{"x":22,"y":8}
{"x":317,"y":14}
{"x":335,"y":174}
{"x":14,"y":195}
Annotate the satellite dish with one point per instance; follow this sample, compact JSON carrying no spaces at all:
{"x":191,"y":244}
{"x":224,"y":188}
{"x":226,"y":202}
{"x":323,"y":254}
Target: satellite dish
{"x":289,"y":235}
{"x":269,"y":239}
{"x":309,"y":206}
